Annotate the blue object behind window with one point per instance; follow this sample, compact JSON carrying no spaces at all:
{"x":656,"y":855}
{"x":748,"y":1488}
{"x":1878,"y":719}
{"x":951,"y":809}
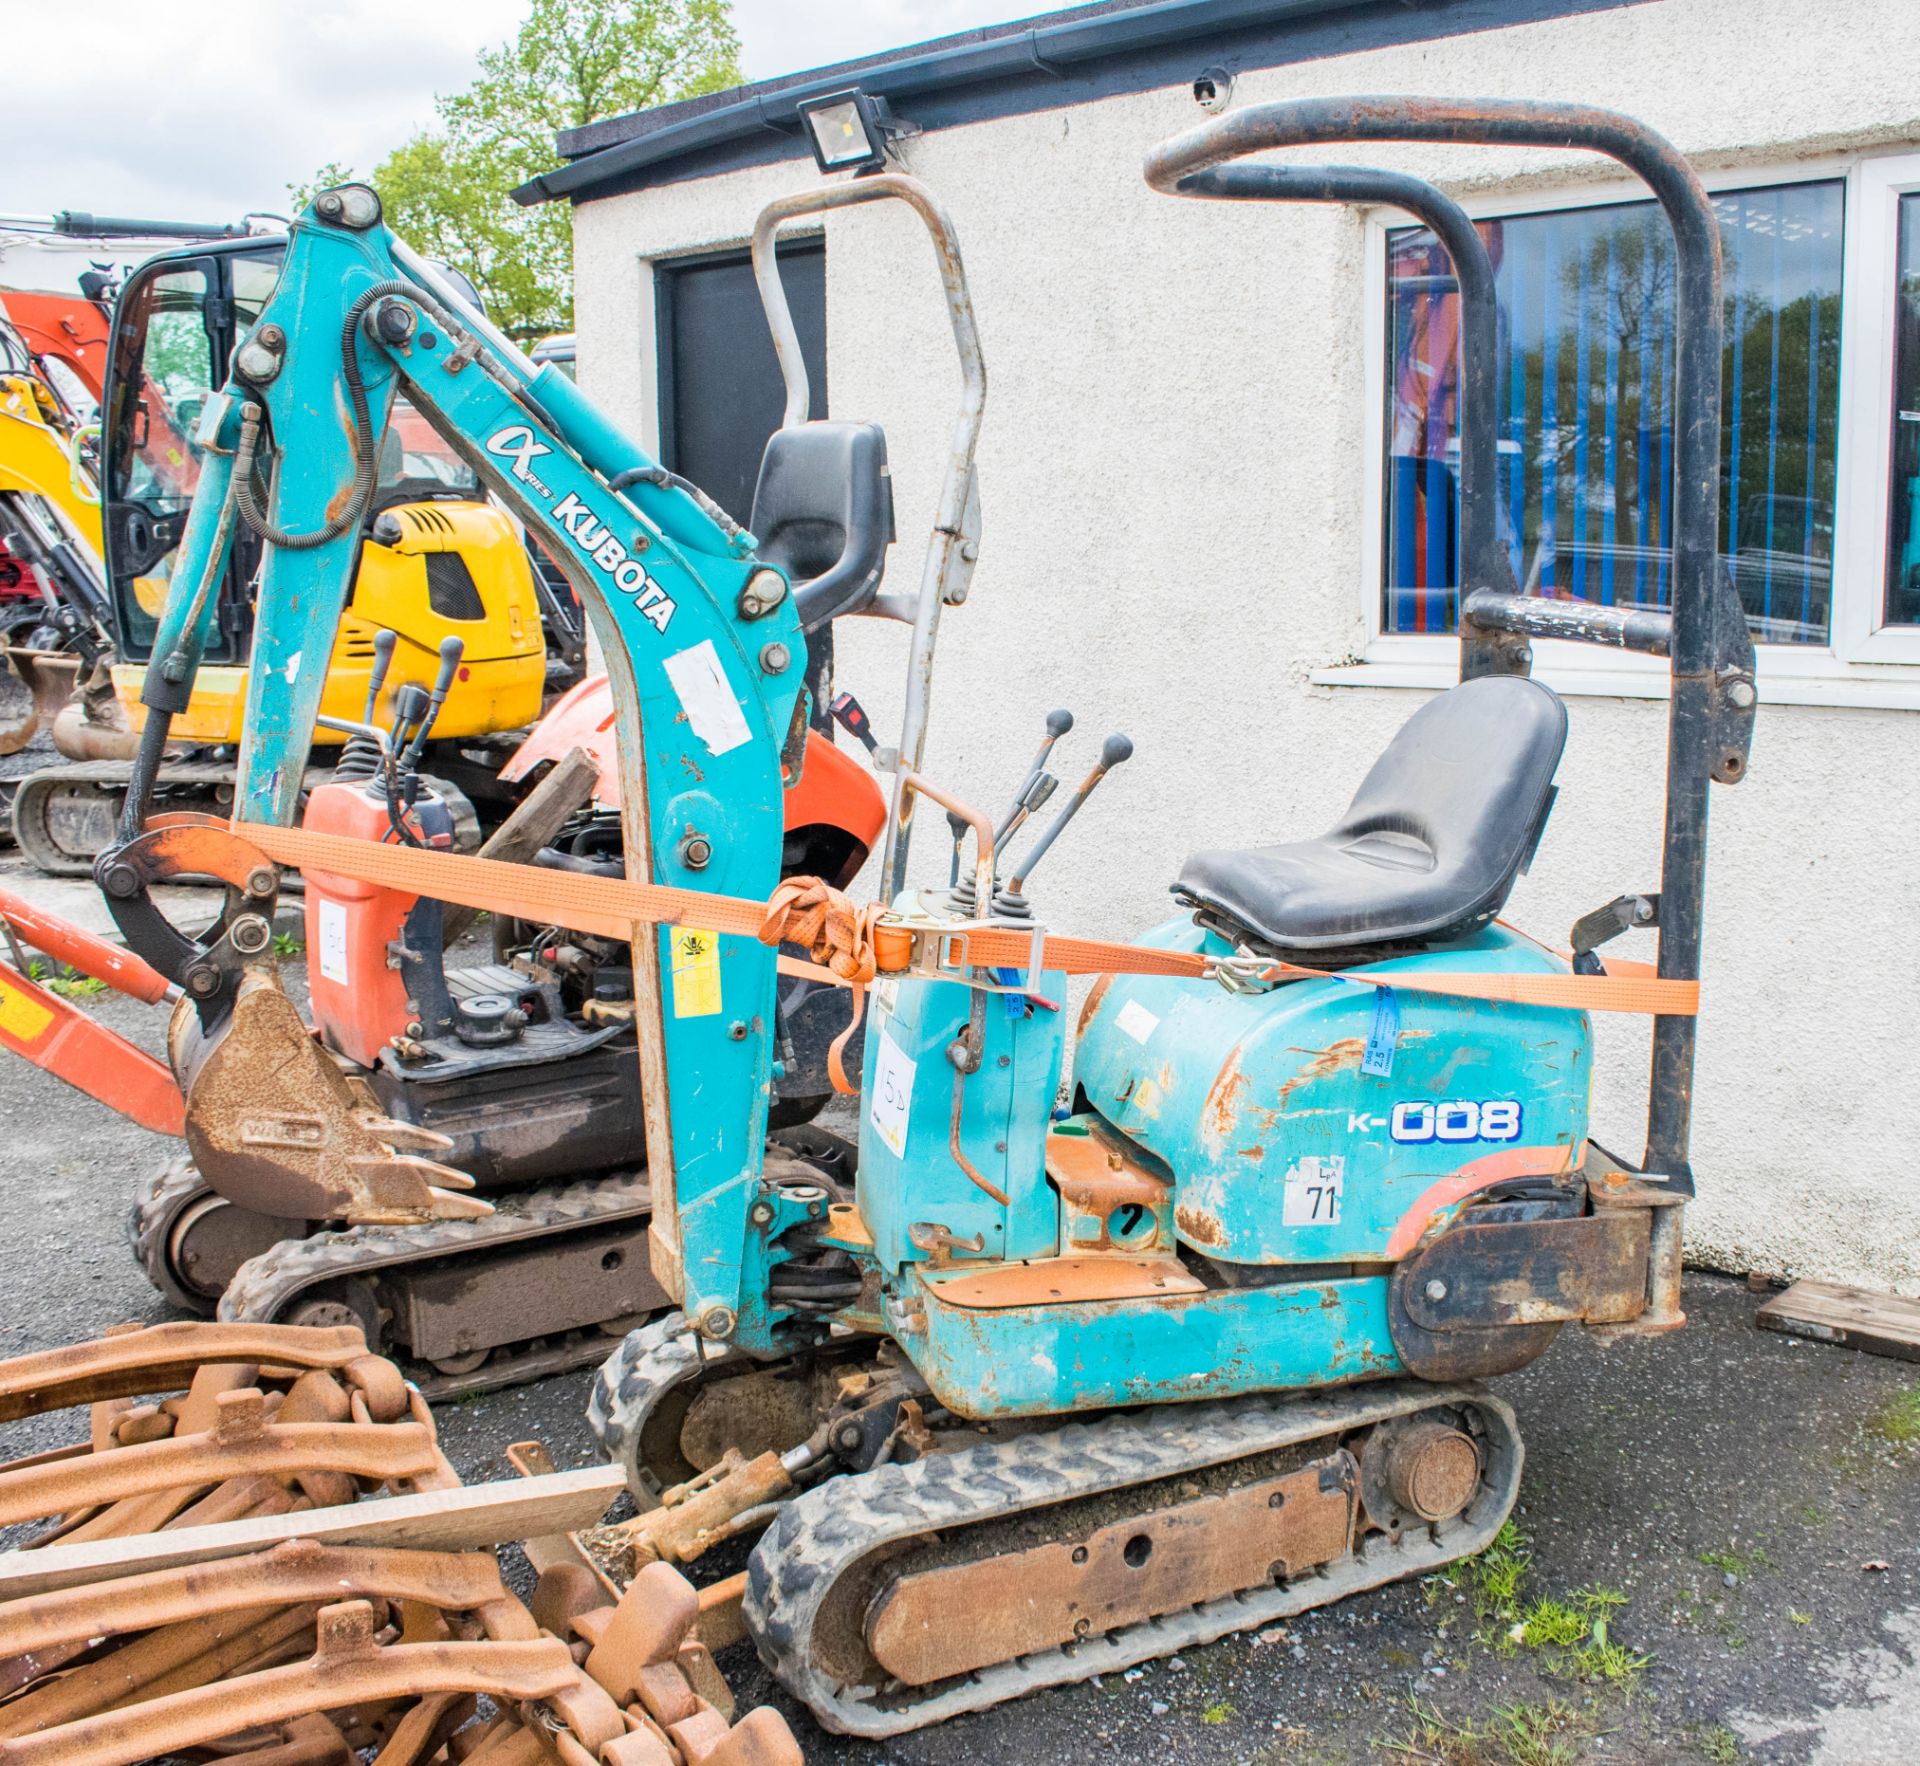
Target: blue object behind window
{"x":1586,"y":439}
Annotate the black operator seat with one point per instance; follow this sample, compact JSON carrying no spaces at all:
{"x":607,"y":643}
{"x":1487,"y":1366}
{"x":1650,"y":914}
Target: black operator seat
{"x":1430,"y":845}
{"x":823,"y":512}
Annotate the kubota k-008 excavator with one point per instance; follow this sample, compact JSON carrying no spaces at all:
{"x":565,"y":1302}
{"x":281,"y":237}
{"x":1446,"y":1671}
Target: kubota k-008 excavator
{"x":1327,"y":1165}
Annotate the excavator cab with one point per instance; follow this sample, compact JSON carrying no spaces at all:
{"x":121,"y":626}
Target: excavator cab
{"x":427,"y":567}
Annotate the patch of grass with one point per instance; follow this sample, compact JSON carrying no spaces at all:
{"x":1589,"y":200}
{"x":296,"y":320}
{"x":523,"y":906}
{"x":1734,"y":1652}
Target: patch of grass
{"x":1434,"y":1739}
{"x":1221,"y":1713}
{"x":1499,"y":1571}
{"x":1512,"y":1735}
{"x":1719,"y":1744}
{"x":1551,"y":1624}
{"x":67,"y":982}
{"x":1898,"y":1420}
{"x":1799,"y":1618}
{"x":1537,"y":1735}
{"x":286,"y":945}
{"x":1739,"y":1564}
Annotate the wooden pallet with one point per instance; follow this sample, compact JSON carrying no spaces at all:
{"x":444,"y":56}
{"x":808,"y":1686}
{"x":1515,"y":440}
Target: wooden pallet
{"x":1858,"y":1318}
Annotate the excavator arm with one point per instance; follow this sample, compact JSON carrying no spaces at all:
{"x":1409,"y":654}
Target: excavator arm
{"x":702,"y":643}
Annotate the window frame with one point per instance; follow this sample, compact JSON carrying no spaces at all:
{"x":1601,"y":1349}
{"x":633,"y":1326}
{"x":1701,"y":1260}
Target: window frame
{"x":1863,"y":662}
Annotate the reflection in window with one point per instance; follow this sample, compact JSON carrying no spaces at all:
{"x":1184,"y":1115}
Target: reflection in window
{"x":1585,"y":476}
{"x":1903,"y":548}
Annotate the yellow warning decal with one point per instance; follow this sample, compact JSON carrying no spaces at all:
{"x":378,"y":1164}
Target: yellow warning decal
{"x":24,"y":1017}
{"x":696,"y":972}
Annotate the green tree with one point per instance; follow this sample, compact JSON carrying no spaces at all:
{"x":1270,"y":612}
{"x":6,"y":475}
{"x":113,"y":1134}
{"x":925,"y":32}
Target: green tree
{"x":446,"y":191}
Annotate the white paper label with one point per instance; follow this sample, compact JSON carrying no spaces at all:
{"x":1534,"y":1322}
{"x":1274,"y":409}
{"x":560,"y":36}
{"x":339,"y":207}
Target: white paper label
{"x":886,"y":997}
{"x":1313,"y":1191}
{"x":1137,"y":1021}
{"x":892,"y":1095}
{"x":700,"y":684}
{"x":333,"y":941}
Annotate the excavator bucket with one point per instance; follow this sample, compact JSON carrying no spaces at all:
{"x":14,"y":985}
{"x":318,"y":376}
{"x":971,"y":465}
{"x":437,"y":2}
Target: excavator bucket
{"x":275,"y":1125}
{"x":49,"y":677}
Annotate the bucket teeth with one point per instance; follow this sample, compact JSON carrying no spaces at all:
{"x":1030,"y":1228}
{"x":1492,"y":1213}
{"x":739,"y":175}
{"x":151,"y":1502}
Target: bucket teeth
{"x":318,"y":1151}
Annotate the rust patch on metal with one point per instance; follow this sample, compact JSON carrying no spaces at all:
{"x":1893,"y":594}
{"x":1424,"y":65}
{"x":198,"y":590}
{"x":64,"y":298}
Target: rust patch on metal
{"x":1095,"y":995}
{"x":934,"y":1623}
{"x":1198,"y":1227}
{"x":1323,"y":1064}
{"x":1220,"y":1114}
{"x":1094,"y":1174}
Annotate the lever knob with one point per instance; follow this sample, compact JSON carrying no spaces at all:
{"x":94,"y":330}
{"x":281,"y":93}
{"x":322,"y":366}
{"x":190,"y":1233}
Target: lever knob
{"x":384,"y":641}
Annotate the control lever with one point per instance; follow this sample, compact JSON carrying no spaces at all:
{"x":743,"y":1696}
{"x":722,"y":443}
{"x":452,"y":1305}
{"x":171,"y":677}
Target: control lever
{"x":1058,"y":724}
{"x":1113,"y":751}
{"x":960,"y":825}
{"x":1033,"y":796}
{"x":451,"y":650}
{"x":384,"y":641}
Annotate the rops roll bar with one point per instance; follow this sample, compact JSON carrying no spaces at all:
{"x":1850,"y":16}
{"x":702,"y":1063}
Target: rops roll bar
{"x":955,"y":540}
{"x":1705,"y":637}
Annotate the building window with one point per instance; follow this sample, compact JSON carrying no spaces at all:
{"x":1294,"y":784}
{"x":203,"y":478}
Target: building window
{"x":1586,"y":431}
{"x":1903,"y":547}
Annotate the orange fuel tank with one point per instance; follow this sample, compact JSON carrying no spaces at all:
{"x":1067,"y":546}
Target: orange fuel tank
{"x":359,"y":996}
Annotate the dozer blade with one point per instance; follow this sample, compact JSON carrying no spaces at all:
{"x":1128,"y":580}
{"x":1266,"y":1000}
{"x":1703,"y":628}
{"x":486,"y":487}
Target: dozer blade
{"x":275,"y":1126}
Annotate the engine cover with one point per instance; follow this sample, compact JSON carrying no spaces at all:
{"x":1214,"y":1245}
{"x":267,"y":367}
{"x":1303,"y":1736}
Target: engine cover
{"x":1283,"y":1150}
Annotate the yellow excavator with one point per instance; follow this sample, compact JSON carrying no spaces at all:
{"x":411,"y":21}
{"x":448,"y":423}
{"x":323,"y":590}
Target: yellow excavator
{"x":437,"y":560}
{"x":52,"y":596}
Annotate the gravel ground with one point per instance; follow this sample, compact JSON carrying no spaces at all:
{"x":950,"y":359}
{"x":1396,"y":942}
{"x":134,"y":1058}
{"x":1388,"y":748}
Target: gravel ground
{"x":1750,"y":1498}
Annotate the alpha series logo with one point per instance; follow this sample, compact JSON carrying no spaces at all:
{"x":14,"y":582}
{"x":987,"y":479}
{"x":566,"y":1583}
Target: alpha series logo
{"x":518,"y":446}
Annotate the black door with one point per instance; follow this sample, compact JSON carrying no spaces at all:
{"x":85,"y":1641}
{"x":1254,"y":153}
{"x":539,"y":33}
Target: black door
{"x":721,"y":394}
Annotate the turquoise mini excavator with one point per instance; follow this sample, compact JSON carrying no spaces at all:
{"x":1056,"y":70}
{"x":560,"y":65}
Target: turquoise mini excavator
{"x":1033,"y":1391}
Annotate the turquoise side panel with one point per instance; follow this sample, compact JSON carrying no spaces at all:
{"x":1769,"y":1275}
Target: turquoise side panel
{"x":1039,"y":1360}
{"x":907,"y":1169}
{"x":1284,"y":1150}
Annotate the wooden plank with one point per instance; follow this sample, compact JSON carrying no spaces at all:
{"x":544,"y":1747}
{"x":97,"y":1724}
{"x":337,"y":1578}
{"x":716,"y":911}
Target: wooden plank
{"x":1858,"y":1318}
{"x":434,"y":1520}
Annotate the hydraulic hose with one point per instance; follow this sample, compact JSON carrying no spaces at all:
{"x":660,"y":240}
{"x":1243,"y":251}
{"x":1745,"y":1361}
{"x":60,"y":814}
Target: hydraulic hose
{"x":365,"y":462}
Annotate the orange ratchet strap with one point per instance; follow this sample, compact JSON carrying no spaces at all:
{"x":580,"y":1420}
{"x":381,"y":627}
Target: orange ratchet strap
{"x":612,"y":906}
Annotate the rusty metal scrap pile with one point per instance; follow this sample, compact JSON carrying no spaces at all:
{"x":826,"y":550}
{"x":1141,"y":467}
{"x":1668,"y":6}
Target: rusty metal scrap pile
{"x":308,"y":1654}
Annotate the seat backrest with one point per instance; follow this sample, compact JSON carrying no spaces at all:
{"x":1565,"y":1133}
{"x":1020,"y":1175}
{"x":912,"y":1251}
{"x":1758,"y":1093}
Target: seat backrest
{"x":1462,"y":790}
{"x":823,"y":512}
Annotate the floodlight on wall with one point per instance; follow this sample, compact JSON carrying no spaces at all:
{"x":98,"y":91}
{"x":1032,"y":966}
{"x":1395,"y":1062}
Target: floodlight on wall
{"x":849,"y":131}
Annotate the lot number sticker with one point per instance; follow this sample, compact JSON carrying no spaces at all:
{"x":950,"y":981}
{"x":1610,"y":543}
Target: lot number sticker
{"x":333,"y":942}
{"x":1313,"y":1191}
{"x":892,"y":1095}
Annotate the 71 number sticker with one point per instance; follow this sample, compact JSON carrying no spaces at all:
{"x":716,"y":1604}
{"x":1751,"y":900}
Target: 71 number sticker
{"x":1314,"y":1185}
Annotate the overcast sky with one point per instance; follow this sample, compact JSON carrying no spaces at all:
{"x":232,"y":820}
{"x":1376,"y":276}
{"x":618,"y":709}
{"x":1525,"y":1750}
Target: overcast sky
{"x":204,"y":109}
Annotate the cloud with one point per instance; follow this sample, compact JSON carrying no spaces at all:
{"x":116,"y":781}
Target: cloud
{"x":202,"y":109}
{"x":786,"y":36}
{"x":206,"y":109}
